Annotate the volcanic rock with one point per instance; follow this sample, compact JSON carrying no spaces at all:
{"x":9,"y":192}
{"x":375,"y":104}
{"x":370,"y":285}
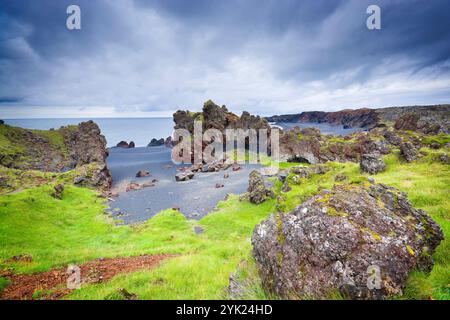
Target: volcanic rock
{"x":359,"y":241}
{"x":142,"y":173}
{"x":257,"y":191}
{"x":372,"y":163}
{"x":408,"y":151}
{"x":184,"y":176}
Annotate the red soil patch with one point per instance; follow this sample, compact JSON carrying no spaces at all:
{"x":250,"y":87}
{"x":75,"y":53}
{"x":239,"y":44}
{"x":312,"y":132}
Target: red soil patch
{"x":52,"y":284}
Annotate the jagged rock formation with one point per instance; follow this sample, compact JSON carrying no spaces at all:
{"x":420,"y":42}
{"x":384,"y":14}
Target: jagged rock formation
{"x":80,"y":147}
{"x":408,"y":151}
{"x":161,"y":142}
{"x":257,"y":192}
{"x":361,"y":241}
{"x":214,"y":116}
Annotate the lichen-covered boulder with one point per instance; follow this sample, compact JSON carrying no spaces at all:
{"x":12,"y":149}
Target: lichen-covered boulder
{"x":408,"y":151}
{"x":372,"y":163}
{"x":359,"y":240}
{"x":257,"y":191}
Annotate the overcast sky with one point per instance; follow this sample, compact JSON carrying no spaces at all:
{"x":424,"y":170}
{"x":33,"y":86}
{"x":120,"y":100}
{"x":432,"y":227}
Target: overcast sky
{"x":150,"y":58}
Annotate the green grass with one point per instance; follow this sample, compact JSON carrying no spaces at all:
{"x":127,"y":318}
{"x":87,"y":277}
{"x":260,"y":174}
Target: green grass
{"x":10,"y":149}
{"x":440,"y":139}
{"x":55,"y":138}
{"x":75,"y":230}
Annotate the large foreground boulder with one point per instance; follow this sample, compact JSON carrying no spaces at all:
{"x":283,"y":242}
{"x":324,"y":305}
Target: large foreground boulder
{"x":359,"y":241}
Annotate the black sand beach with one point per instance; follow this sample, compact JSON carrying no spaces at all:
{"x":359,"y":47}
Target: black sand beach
{"x":194,"y":198}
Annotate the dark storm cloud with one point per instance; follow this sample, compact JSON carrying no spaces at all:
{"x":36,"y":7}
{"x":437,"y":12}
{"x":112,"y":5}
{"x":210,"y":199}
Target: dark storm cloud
{"x":266,"y":56}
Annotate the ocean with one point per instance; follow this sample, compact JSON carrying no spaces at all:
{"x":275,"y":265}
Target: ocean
{"x":143,"y":130}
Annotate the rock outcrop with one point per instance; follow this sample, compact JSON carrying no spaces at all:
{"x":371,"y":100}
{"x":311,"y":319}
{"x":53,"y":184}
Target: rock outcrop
{"x":301,"y":145}
{"x":408,"y":151}
{"x":372,"y":163}
{"x":126,"y":145}
{"x":142,"y":174}
{"x":257,"y":192}
{"x":123,"y":145}
{"x":80,"y":147}
{"x":413,"y":122}
{"x":360,"y":241}
{"x":156,"y":143}
{"x":184,"y":176}
{"x":87,"y":148}
{"x":59,"y":188}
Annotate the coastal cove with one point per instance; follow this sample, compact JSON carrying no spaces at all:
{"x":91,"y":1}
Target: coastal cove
{"x":223,"y":230}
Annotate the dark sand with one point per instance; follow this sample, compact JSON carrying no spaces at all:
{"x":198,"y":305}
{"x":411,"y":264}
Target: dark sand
{"x":195,"y":198}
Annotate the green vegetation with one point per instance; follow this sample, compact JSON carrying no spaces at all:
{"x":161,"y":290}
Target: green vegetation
{"x":21,"y":148}
{"x":76,"y":229}
{"x":441,"y":139}
{"x":10,"y":149}
{"x":3,"y":284}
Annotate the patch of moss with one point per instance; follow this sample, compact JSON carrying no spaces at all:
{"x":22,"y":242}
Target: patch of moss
{"x":4,"y":282}
{"x":281,"y":237}
{"x":374,"y":235}
{"x":441,"y":139}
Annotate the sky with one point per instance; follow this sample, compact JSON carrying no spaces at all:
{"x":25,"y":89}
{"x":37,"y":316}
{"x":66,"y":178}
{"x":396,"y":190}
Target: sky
{"x":136,"y":58}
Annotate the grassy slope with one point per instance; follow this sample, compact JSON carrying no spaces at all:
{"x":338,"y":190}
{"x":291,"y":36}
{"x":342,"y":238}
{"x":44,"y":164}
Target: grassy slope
{"x":75,"y":229}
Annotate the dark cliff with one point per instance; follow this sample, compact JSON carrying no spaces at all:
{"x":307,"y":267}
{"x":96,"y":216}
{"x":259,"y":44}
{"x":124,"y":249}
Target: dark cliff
{"x":436,"y":117}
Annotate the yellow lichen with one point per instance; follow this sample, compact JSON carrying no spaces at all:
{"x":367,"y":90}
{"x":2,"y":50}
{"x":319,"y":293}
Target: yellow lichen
{"x":411,"y":251}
